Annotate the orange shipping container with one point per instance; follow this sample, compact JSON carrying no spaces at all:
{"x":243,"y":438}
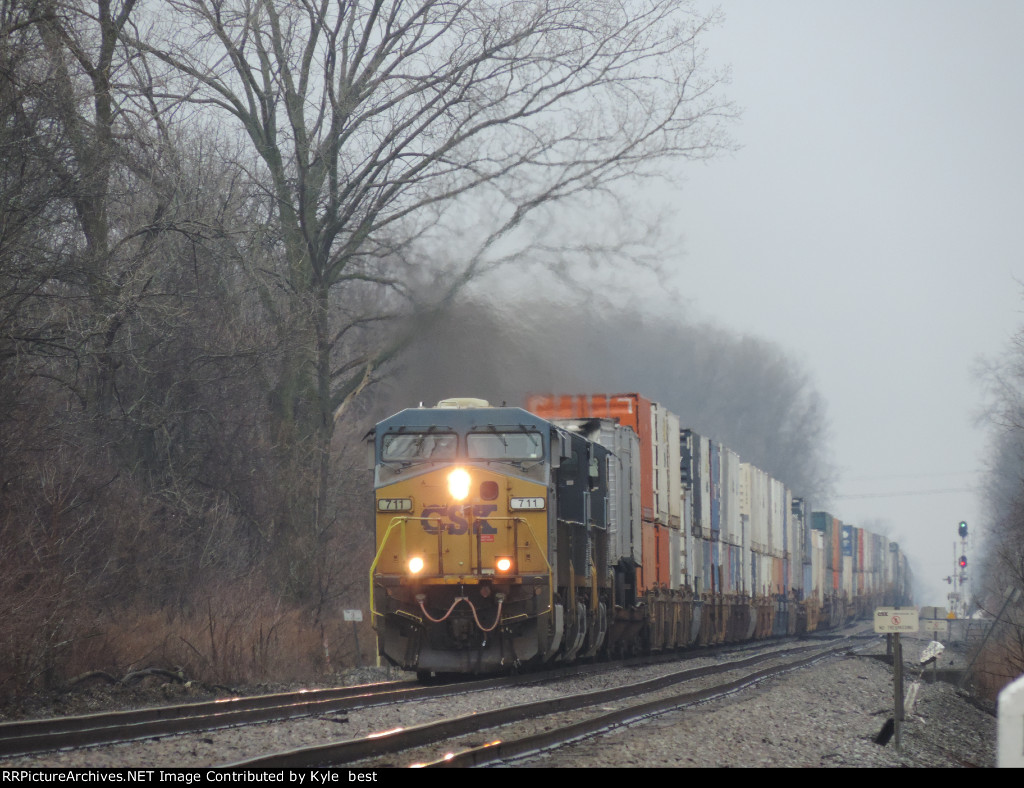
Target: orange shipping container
{"x":656,"y":559}
{"x":631,"y":410}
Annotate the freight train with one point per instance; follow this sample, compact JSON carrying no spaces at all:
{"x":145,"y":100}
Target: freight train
{"x":591,"y":526}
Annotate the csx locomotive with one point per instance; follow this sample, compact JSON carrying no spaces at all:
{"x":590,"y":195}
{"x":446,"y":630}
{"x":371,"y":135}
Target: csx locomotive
{"x":593,"y":525}
{"x":491,"y":523}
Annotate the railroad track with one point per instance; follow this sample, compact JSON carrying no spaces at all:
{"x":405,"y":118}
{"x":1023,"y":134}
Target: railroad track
{"x":31,"y":737}
{"x":25,"y":737}
{"x":475,"y":739}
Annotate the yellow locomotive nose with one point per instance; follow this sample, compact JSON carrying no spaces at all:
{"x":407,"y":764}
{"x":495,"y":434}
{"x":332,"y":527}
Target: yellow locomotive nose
{"x":458,"y":484}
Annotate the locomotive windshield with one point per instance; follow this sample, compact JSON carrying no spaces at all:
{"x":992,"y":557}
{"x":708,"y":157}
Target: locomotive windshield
{"x":416,"y":446}
{"x":505,"y":446}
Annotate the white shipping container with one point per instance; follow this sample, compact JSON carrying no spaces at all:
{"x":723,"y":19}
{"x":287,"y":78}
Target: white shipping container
{"x":778,"y":516}
{"x":731,"y":507}
{"x":762,"y":509}
{"x":675,"y":488}
{"x":665,"y":457}
{"x":704,"y":480}
{"x":745,"y":491}
{"x":756,"y":502}
{"x":891,"y":565}
{"x":818,"y":566}
{"x":868,"y":558}
{"x":848,"y":579}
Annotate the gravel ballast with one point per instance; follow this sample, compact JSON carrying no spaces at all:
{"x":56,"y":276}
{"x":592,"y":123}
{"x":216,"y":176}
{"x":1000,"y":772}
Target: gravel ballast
{"x":828,"y":714}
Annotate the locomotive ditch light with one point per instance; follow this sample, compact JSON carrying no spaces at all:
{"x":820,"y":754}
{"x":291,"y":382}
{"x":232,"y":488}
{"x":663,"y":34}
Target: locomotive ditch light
{"x":458,"y":484}
{"x":415,"y":565}
{"x":503,"y":564}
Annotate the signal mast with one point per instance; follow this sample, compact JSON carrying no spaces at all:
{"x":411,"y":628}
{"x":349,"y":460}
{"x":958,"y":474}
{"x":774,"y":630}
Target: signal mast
{"x":957,"y":601}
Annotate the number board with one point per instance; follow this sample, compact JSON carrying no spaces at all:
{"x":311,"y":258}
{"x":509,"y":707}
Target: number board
{"x":895,"y":619}
{"x":394,"y":504}
{"x":520,"y":504}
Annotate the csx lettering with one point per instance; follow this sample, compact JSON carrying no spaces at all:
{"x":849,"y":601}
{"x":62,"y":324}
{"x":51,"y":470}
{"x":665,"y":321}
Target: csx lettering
{"x":433,"y":519}
{"x":480,"y":511}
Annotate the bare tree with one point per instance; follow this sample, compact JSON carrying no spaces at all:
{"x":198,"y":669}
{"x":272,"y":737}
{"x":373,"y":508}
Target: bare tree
{"x":1004,"y":378}
{"x":384,"y":130}
{"x":1002,"y":564}
{"x":130,"y":430}
{"x":196,"y":226}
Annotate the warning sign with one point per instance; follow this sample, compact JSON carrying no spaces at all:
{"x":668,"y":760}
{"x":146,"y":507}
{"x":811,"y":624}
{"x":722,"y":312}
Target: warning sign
{"x":895,"y":619}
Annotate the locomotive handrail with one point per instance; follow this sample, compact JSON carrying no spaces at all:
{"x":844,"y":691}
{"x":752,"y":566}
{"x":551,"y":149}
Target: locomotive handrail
{"x":380,"y":551}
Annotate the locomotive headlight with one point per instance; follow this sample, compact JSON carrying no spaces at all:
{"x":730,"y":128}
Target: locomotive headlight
{"x":503,"y":563}
{"x":415,"y":565}
{"x":458,"y":484}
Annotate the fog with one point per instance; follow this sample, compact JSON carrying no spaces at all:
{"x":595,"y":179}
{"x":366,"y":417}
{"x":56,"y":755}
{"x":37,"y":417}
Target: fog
{"x":740,"y":390}
{"x":867,"y":229}
{"x":870,"y":225}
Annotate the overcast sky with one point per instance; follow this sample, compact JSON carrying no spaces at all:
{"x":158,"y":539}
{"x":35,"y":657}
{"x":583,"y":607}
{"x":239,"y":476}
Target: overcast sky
{"x":871,"y":224}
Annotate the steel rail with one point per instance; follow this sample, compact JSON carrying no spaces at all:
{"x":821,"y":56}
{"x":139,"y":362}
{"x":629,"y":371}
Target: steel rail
{"x":348,"y":751}
{"x":26,"y":737}
{"x":507,"y":750}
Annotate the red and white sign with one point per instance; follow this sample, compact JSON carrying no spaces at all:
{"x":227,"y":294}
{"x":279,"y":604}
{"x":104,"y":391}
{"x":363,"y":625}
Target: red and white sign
{"x":895,"y":619}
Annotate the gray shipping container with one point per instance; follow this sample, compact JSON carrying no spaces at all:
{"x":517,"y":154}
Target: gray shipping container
{"x":623,"y":482}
